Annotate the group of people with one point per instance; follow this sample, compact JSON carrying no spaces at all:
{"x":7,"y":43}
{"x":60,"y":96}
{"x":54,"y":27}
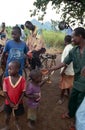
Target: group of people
{"x":16,"y":52}
{"x":14,"y":85}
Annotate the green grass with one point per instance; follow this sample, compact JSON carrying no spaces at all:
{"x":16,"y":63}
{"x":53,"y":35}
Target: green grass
{"x":53,"y":39}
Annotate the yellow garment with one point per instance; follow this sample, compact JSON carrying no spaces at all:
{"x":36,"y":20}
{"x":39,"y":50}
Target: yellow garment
{"x":35,"y":41}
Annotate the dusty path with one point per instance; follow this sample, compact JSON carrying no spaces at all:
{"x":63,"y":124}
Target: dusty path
{"x":49,"y":113}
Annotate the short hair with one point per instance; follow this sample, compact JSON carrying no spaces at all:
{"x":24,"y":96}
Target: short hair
{"x":35,"y":73}
{"x":17,"y":63}
{"x":80,"y":31}
{"x":17,"y":28}
{"x":67,"y":38}
{"x":22,"y":26}
{"x":28,"y":22}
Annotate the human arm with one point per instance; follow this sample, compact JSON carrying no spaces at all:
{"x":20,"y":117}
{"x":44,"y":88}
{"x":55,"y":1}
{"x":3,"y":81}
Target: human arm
{"x":83,"y":71}
{"x":7,"y":97}
{"x":21,"y":97}
{"x":58,"y":66}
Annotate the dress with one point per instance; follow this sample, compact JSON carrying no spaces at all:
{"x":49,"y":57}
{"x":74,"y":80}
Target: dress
{"x":66,"y":80}
{"x":32,"y":103}
{"x":78,"y":89}
{"x":16,"y":51}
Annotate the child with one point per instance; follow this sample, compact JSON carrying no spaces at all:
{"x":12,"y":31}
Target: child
{"x":66,"y":79}
{"x":33,"y":93}
{"x":16,"y":50}
{"x":14,"y":87}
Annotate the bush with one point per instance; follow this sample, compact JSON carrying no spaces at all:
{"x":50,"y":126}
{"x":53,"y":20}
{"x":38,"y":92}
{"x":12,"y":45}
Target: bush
{"x":53,"y":39}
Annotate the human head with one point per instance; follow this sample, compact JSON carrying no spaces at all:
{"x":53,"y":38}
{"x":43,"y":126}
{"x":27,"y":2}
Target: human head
{"x":3,"y":25}
{"x":29,"y":25}
{"x":16,"y":33}
{"x":13,"y":68}
{"x":67,"y":39}
{"x":36,"y":75}
{"x":22,"y":26}
{"x":78,"y":35}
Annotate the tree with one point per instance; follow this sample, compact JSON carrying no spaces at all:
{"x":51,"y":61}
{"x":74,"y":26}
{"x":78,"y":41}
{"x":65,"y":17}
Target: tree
{"x":72,"y":10}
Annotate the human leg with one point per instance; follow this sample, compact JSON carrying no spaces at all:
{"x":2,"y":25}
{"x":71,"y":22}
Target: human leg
{"x":17,"y":113}
{"x":61,"y":100}
{"x":31,"y":117}
{"x":8,"y":111}
{"x":72,"y":105}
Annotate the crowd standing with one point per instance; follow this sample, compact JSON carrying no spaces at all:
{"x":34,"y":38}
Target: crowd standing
{"x":17,"y":52}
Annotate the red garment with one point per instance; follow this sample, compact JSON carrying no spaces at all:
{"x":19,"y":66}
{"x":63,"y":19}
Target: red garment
{"x":14,"y":91}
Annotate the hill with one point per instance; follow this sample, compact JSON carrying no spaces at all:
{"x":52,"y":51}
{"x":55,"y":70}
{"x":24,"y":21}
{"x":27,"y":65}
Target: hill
{"x":46,"y":25}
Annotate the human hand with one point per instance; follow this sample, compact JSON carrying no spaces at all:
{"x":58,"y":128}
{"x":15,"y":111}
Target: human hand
{"x":16,"y":106}
{"x":37,"y":96}
{"x":83,"y":71}
{"x":12,"y":104}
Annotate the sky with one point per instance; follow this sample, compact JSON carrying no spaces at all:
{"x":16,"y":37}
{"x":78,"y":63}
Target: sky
{"x":14,"y":12}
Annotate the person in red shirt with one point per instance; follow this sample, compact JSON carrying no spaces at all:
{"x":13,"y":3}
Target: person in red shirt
{"x":14,"y":87}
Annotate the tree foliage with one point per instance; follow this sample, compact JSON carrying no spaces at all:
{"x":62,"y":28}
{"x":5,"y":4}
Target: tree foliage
{"x":72,"y":10}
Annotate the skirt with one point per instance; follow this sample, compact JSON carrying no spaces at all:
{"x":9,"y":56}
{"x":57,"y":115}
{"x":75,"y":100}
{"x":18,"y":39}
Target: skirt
{"x":66,"y":81}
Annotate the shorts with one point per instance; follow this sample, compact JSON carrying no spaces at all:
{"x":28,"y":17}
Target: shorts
{"x":32,"y":114}
{"x":18,"y":112}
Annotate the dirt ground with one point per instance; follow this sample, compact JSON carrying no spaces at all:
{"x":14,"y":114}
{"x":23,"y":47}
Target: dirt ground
{"x":49,"y":113}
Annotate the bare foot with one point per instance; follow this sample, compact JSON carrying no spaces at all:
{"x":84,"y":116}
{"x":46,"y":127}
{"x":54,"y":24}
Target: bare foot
{"x":31,"y":124}
{"x":5,"y":128}
{"x":61,"y":101}
{"x":17,"y":126}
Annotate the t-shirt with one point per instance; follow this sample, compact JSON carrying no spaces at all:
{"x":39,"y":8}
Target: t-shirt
{"x":32,"y":89}
{"x":78,"y":63}
{"x":69,"y":70}
{"x":14,"y":91}
{"x":16,"y":51}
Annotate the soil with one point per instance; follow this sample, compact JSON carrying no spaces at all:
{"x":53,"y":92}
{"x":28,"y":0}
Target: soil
{"x":49,"y":112}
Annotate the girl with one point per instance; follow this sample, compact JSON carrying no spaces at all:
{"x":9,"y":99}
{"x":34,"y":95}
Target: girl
{"x":67,"y":73}
{"x":14,"y":87}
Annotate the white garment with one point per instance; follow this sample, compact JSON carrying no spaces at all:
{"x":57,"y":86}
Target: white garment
{"x":80,"y":116}
{"x":22,"y":35}
{"x":69,"y":70}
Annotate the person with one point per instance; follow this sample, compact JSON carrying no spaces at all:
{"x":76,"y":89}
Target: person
{"x":33,"y":94}
{"x":3,"y":34}
{"x":15,"y":49}
{"x":67,"y":74}
{"x":36,"y":45}
{"x":14,"y":88}
{"x":23,"y":36}
{"x":77,"y":56}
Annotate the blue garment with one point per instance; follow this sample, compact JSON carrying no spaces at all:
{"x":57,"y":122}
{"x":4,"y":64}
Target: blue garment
{"x":16,"y":51}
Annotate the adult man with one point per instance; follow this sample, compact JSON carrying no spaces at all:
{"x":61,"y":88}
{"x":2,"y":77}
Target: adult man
{"x":35,"y":43}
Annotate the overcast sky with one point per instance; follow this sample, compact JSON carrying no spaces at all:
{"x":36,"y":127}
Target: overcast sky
{"x":14,"y":12}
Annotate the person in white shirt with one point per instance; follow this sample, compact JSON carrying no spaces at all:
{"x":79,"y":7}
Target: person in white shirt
{"x":67,"y":74}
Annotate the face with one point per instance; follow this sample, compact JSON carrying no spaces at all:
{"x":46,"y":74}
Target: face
{"x":12,"y":69}
{"x":15,"y":35}
{"x":76,"y":39}
{"x":39,"y":79}
{"x":29,"y":26}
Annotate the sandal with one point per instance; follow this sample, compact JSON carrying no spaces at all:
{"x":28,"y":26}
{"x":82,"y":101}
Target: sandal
{"x":65,"y":116}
